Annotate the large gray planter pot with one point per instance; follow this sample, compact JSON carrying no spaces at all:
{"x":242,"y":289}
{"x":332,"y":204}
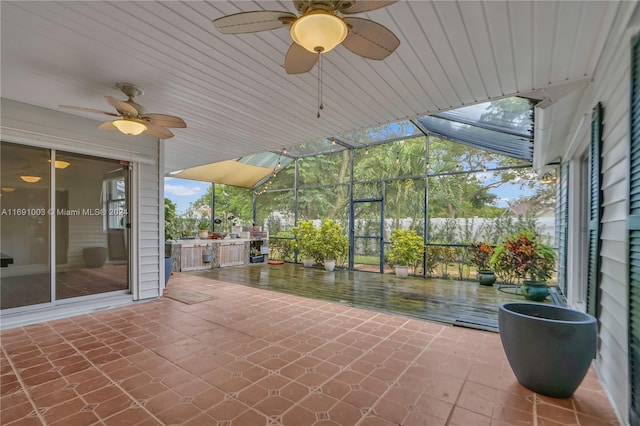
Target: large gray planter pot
{"x":549,"y":348}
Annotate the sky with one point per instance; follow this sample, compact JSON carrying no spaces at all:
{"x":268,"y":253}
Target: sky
{"x":183,"y":192}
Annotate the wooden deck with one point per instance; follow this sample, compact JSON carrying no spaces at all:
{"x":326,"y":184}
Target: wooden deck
{"x":462,"y":303}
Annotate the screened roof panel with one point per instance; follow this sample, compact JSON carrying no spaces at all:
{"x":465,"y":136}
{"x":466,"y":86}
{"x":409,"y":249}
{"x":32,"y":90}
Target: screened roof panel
{"x":380,"y":134}
{"x":321,"y":146}
{"x":501,"y":143}
{"x":504,"y":126}
{"x":509,"y":115}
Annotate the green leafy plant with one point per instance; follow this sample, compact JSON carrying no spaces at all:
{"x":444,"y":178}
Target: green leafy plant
{"x":524,"y":257}
{"x":204,"y":223}
{"x":282,"y":246}
{"x":332,"y":243}
{"x":306,"y":240}
{"x":170,"y":221}
{"x":407,"y":248}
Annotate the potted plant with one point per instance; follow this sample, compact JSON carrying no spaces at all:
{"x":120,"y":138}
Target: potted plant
{"x":306,"y":242}
{"x":481,"y":256}
{"x":204,"y":225}
{"x":524,"y":257}
{"x":332,"y":244}
{"x":255,"y":256}
{"x":407,"y":249}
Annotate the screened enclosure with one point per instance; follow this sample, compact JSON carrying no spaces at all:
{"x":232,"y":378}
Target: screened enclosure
{"x":454,"y":178}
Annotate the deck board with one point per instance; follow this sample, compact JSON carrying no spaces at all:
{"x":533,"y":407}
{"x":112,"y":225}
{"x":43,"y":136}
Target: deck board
{"x":461,"y":303}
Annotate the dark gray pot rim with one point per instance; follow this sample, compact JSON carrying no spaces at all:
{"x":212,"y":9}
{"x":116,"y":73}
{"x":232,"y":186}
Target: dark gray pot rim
{"x":508,"y":306}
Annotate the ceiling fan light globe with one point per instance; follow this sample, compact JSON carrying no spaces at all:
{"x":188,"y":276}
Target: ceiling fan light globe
{"x":319,"y":31}
{"x":129,"y":127}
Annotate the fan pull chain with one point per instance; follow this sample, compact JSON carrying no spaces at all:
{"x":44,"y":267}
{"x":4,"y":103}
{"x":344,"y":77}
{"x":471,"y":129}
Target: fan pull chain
{"x":320,"y":105}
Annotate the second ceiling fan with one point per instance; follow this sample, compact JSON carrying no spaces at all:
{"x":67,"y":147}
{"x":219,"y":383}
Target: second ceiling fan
{"x":318,"y":29}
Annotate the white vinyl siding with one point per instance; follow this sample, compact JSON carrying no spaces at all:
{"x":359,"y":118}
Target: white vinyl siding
{"x":610,"y":86}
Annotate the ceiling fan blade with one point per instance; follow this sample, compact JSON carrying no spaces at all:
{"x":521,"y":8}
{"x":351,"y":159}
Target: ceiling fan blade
{"x":97,"y":111}
{"x":158,"y":131}
{"x":299,"y":60}
{"x":122,"y":107}
{"x":359,"y":6}
{"x":107,"y":126}
{"x":252,"y":22}
{"x":370,"y":39}
{"x":165,"y":120}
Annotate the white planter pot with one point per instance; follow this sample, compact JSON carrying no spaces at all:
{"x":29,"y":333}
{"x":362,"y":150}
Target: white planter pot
{"x":402,"y":271}
{"x":329,"y":265}
{"x":203,"y":234}
{"x":308,"y":263}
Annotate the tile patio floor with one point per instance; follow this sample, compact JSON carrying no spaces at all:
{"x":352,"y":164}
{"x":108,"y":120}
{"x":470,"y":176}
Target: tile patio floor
{"x":255,"y":357}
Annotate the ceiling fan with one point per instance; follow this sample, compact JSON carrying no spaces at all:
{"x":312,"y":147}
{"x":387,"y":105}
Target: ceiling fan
{"x":132,"y":120}
{"x":319,"y":28}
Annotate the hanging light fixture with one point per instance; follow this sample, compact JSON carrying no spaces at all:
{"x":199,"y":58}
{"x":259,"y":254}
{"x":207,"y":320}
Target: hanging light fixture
{"x":30,"y":179}
{"x":61,"y":164}
{"x":129,"y":127}
{"x":319,"y":31}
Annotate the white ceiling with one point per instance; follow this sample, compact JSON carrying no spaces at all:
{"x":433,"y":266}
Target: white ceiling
{"x":234,"y":93}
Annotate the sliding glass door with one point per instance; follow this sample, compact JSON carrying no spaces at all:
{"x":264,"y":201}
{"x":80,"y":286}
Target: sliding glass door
{"x":92,"y":217}
{"x":83,"y":224}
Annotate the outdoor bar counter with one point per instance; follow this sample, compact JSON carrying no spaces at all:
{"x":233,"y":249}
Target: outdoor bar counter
{"x":193,"y":254}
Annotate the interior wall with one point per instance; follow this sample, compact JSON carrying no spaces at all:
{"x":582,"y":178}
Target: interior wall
{"x":610,"y":85}
{"x":32,"y":125}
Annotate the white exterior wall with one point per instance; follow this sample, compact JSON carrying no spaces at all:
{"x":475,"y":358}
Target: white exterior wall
{"x":32,"y":125}
{"x":611,"y":86}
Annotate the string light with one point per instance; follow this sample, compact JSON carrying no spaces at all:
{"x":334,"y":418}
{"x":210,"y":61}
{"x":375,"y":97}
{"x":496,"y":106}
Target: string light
{"x":457,"y":167}
{"x":484,"y":169}
{"x":366,"y":151}
{"x":397,"y":158}
{"x":284,"y":151}
{"x":427,"y":166}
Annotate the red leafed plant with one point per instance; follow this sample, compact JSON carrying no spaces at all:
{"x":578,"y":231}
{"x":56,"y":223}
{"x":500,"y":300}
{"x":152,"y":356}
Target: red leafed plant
{"x":481,"y":255}
{"x":523,"y":256}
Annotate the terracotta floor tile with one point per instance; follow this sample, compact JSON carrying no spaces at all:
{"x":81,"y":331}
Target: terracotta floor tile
{"x":112,"y":406}
{"x":298,"y":416}
{"x":513,"y":416}
{"x":253,"y":394}
{"x":15,"y":412}
{"x":372,"y":420}
{"x":129,"y":417}
{"x":227,"y":410}
{"x":81,"y":418}
{"x":391,"y":411}
{"x":273,"y":405}
{"x":179,"y":414}
{"x":553,"y":412}
{"x":318,"y":402}
{"x":463,"y":417}
{"x":251,"y":357}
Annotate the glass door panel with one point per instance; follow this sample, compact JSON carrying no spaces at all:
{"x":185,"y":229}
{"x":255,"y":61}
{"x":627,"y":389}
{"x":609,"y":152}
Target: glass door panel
{"x":92,"y":219}
{"x":25,"y":181}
